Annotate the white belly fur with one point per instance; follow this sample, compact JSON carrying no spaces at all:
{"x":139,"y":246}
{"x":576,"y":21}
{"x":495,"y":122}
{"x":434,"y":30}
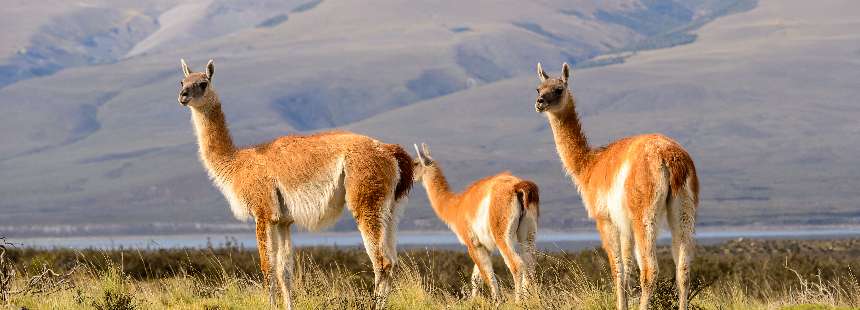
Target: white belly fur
{"x":481,"y":225}
{"x":317,"y":203}
{"x":616,"y":200}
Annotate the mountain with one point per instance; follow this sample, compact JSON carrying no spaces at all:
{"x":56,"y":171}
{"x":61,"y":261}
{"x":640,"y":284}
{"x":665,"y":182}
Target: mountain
{"x":765,"y":101}
{"x":94,"y":141}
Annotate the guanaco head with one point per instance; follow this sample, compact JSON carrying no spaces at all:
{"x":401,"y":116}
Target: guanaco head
{"x":195,"y":84}
{"x":421,"y":164}
{"x":552,"y":92}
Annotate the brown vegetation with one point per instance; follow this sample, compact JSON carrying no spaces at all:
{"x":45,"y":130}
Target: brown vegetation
{"x":735,"y":274}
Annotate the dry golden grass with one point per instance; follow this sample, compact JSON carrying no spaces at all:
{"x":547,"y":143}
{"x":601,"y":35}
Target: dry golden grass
{"x":566,"y":281}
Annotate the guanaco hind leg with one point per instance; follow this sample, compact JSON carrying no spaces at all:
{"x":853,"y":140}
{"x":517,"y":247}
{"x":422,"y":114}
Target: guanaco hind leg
{"x":681,"y":218}
{"x":646,"y":239}
{"x":284,"y":263}
{"x":481,"y":256}
{"x":506,"y":241}
{"x":526,"y":234}
{"x":370,"y":197}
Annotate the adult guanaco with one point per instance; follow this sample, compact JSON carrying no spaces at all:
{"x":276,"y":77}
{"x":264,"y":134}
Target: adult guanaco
{"x":627,"y":186}
{"x":301,"y":179}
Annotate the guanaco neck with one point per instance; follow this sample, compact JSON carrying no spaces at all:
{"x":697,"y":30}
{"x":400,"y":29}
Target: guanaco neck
{"x":213,"y":137}
{"x":570,"y":141}
{"x":438,"y":191}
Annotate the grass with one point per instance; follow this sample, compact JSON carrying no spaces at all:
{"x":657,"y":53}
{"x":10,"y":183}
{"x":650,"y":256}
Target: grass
{"x":740,"y":274}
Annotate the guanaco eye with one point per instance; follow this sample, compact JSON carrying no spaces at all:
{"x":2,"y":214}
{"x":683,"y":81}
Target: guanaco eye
{"x":203,"y":85}
{"x":538,"y":90}
{"x":558,"y":91}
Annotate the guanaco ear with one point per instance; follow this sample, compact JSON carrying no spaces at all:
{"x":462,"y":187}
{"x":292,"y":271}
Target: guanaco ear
{"x":426,"y":150}
{"x":424,"y":154}
{"x":565,"y":72}
{"x":210,"y":69}
{"x":541,"y":74}
{"x":185,"y":69}
{"x":420,"y":157}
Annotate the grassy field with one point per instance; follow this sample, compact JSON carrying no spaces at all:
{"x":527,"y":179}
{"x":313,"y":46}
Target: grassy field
{"x":739,"y":274}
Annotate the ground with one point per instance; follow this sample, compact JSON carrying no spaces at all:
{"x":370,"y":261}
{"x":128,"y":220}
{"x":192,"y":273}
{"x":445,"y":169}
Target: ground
{"x":738,"y":274}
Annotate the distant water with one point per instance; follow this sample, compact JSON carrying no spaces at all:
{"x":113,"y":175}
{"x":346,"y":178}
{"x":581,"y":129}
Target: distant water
{"x":546,"y":241}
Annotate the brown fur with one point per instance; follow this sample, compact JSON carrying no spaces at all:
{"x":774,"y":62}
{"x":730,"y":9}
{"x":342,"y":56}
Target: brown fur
{"x":511,"y":219}
{"x":261,"y":180}
{"x":661,"y":174}
{"x":404,"y":162}
{"x":530,"y":195}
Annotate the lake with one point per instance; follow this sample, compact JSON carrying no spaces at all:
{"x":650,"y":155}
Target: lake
{"x":407,"y":239}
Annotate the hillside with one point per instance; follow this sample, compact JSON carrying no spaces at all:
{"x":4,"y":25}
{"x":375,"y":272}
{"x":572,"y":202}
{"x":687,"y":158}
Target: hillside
{"x":764,"y":101}
{"x":94,"y":141}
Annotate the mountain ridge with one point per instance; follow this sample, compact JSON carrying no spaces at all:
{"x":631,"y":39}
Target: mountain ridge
{"x":107,"y":143}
